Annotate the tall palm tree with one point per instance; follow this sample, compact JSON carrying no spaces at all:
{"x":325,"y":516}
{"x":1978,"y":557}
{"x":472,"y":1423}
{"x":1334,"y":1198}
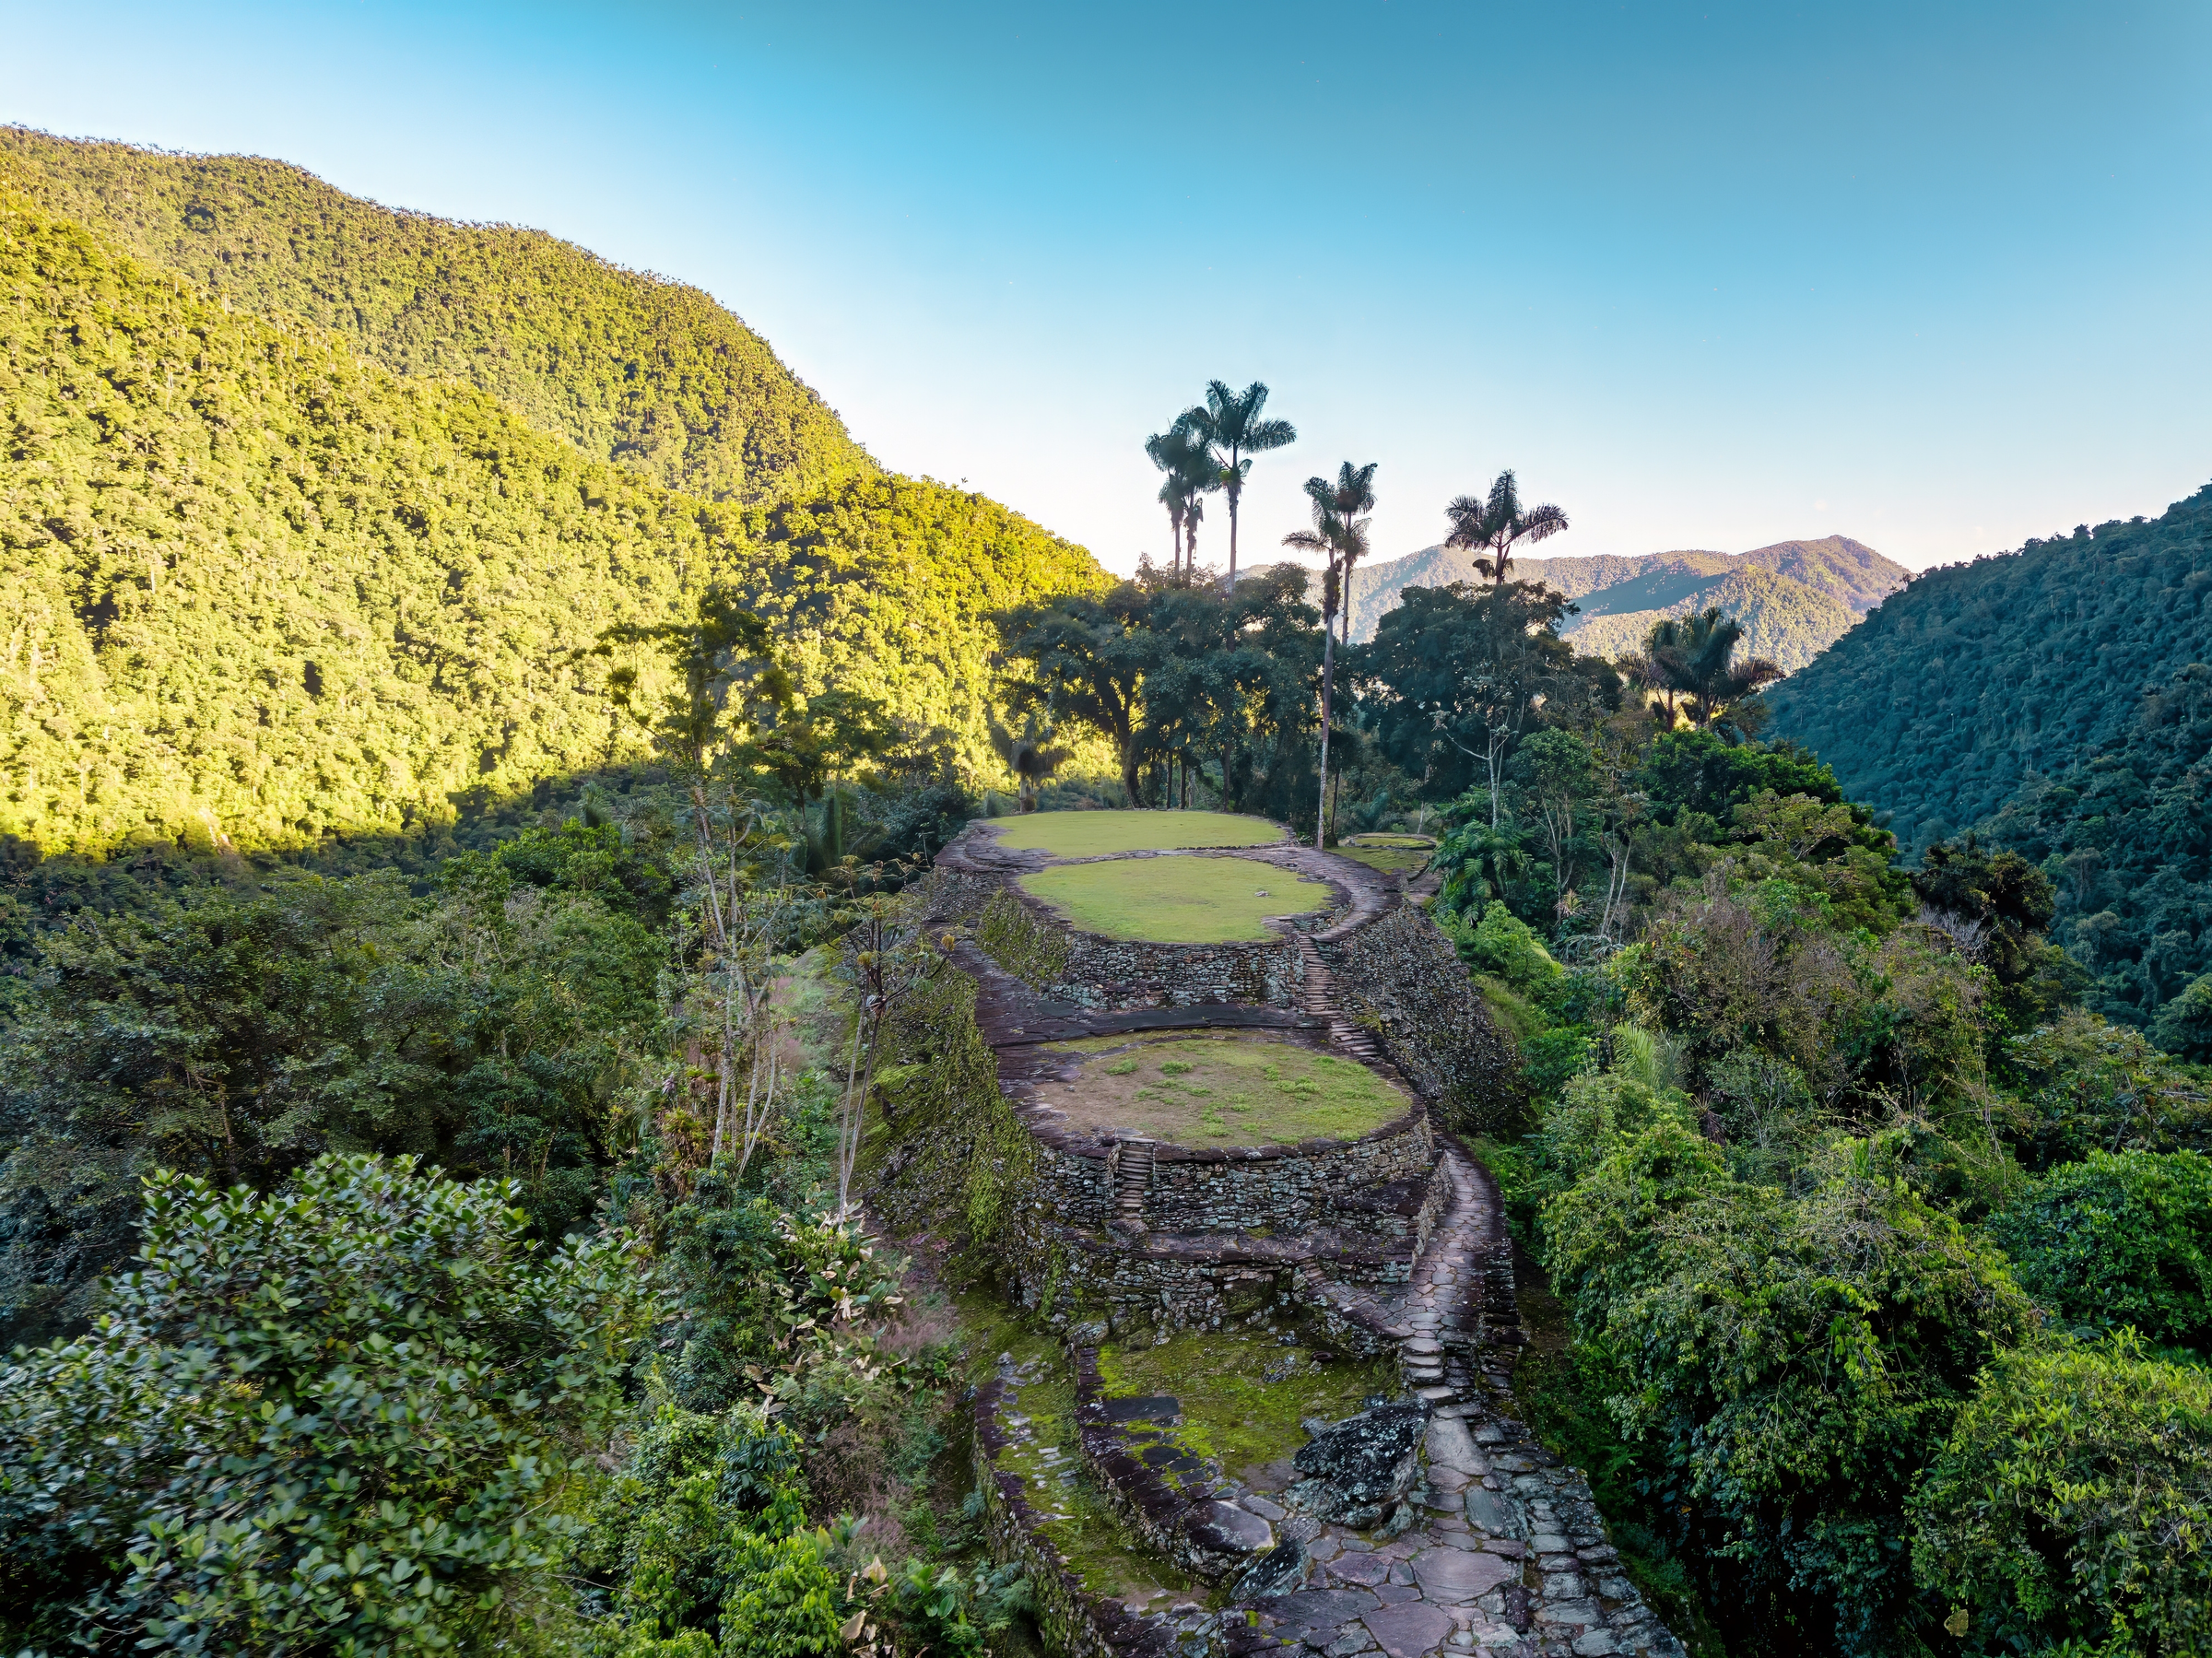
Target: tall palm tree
{"x":1499,"y":524}
{"x":1342,"y":540}
{"x":1692,"y":657}
{"x":1229,"y":424}
{"x":1352,"y":494}
{"x":1189,"y":464}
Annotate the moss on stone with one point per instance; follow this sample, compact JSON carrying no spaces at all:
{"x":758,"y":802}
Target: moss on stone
{"x":1230,"y":1411}
{"x":1022,"y":942}
{"x":1074,"y":1518}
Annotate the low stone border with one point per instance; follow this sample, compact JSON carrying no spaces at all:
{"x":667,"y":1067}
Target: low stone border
{"x":1073,"y":1621}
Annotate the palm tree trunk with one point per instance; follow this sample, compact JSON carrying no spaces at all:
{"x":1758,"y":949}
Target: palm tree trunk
{"x":1328,"y":672}
{"x":1234,"y":492}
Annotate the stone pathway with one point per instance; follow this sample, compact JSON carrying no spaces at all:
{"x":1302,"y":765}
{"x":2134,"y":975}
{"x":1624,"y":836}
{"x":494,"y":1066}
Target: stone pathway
{"x":1512,"y":1559}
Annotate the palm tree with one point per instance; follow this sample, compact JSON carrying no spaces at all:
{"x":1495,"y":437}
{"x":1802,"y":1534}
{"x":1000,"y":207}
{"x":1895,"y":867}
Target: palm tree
{"x":1500,"y":523}
{"x":1352,"y":494}
{"x":1029,"y":754}
{"x":1690,"y":657}
{"x":1342,"y":540}
{"x":1189,"y":464}
{"x":1229,"y":423}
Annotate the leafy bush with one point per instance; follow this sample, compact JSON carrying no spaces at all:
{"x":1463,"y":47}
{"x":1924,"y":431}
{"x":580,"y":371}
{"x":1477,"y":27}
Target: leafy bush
{"x":2120,"y":1241}
{"x":348,"y":1418}
{"x":2184,"y":1023}
{"x":2070,"y":1504}
{"x":2087,"y":1085}
{"x":1596,"y":1114}
{"x":1500,"y":944}
{"x":1788,"y":1365}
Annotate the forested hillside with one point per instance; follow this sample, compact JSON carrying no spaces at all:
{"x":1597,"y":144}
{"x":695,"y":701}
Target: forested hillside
{"x":2055,"y":699}
{"x":630,"y":368}
{"x":1793,"y":598}
{"x":1784,"y":621}
{"x":265,"y":592}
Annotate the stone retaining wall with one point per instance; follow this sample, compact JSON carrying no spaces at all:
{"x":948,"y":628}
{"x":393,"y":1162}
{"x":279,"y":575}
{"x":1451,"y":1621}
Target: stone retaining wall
{"x":1072,"y":1622}
{"x":1284,"y":1188}
{"x":1400,"y":977}
{"x":1205,"y":1282}
{"x":1113,"y":975}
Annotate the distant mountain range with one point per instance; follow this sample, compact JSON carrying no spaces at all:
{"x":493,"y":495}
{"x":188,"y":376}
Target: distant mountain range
{"x":1795,"y":598}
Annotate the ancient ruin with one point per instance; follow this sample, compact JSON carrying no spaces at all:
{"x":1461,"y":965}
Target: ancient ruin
{"x":1221,"y":1173}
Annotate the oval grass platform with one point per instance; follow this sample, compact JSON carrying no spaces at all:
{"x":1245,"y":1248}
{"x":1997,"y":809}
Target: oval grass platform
{"x":1221,"y":1090}
{"x":1093,"y":834}
{"x":1176,"y":900}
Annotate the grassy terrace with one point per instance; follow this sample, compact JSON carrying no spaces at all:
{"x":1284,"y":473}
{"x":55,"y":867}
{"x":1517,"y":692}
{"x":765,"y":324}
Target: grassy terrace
{"x":1175,"y":901}
{"x":1400,"y":854}
{"x":1092,"y":834}
{"x":1222,"y":1090}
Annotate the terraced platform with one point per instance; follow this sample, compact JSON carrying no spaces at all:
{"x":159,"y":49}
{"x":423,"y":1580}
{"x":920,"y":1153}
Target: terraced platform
{"x":1235,"y":1156}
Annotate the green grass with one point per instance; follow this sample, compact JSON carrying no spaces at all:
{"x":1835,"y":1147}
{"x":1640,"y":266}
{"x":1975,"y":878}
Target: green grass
{"x":1091,"y":834}
{"x":1230,"y":1411}
{"x":1426,"y":842}
{"x":1223,"y":1090}
{"x":1175,"y":901}
{"x":1089,"y":1536}
{"x":1389,"y":860}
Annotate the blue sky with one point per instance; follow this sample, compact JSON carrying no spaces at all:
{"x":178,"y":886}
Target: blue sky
{"x":1707,"y":275}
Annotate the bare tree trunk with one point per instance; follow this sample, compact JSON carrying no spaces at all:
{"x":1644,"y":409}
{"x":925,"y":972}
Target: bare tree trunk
{"x":1235,"y":491}
{"x":1328,"y":671}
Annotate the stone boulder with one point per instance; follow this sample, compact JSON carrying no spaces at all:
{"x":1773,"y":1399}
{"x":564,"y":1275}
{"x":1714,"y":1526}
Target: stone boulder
{"x":1357,"y":1472}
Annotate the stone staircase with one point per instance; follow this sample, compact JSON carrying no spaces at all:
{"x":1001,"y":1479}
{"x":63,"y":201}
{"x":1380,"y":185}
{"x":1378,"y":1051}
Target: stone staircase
{"x":1132,"y":1179}
{"x":1436,"y":1321}
{"x":1318,"y":1001}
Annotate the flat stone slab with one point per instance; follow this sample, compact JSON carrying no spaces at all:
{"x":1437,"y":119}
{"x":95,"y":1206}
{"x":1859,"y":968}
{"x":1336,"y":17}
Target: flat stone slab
{"x":1322,"y":1608}
{"x":1461,"y":1574}
{"x":1407,"y":1630}
{"x":1153,"y":1407}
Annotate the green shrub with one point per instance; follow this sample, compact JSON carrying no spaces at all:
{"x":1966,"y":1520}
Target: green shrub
{"x":1509,"y":949}
{"x":2070,"y":1504}
{"x":2184,"y":1023}
{"x":2088,"y":1085}
{"x":1596,"y":1114}
{"x":1788,"y":1366}
{"x":346,"y":1418}
{"x":2120,"y":1241}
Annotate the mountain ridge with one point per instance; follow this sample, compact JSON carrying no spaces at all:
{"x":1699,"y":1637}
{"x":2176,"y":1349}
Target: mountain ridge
{"x":269,"y":592}
{"x":634,"y":369}
{"x":1815,"y":590}
{"x":2056,"y":701}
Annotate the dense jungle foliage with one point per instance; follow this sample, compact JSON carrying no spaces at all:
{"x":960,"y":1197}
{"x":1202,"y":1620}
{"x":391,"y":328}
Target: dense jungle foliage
{"x":472,"y":1261}
{"x":267,"y":594}
{"x":629,"y":367}
{"x":2056,"y":702}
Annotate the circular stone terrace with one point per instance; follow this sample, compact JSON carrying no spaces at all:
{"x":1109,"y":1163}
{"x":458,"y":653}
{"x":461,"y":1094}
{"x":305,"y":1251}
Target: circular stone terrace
{"x":1208,"y":1075}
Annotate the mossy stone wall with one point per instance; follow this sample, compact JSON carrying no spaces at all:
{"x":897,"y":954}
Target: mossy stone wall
{"x":1400,"y":977}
